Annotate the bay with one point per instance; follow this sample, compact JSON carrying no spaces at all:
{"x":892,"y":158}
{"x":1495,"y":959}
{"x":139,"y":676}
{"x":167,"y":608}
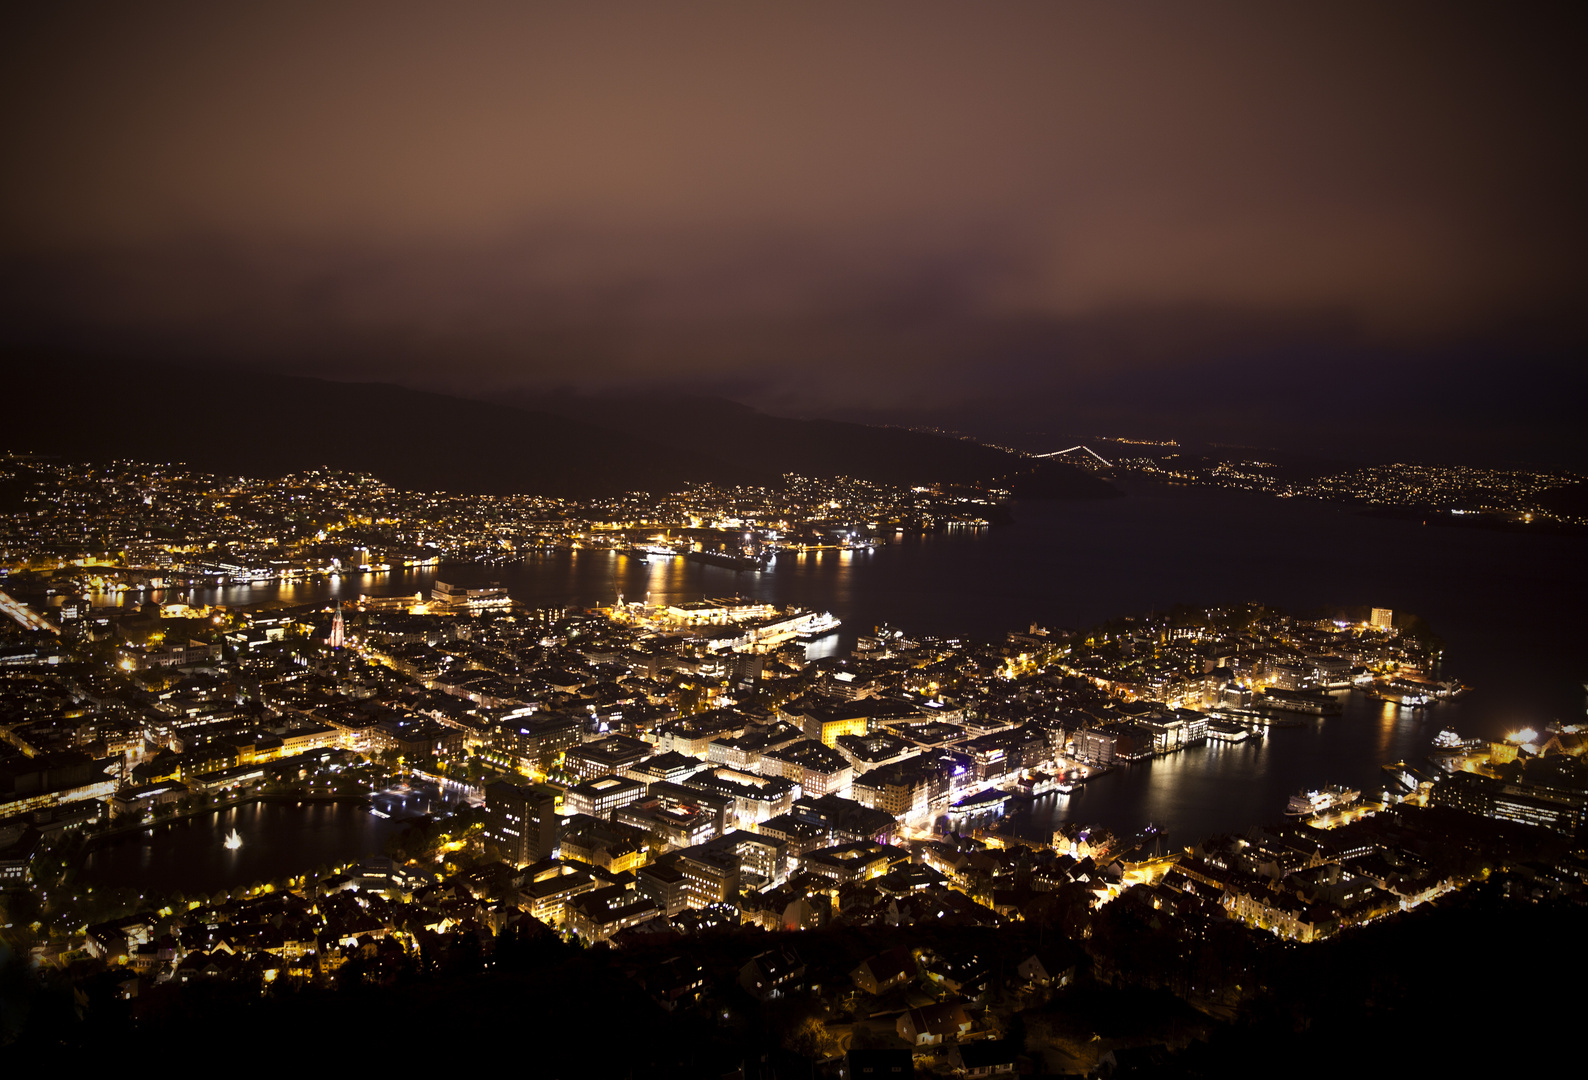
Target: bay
{"x":1510,"y":607}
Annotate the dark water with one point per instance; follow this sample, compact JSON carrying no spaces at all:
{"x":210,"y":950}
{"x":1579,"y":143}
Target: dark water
{"x":1225,"y":787}
{"x":1512,"y":608}
{"x":280,"y":839}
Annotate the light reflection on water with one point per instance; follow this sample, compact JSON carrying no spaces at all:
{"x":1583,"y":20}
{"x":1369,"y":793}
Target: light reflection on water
{"x":1507,"y":605}
{"x":280,"y":839}
{"x":1226,"y":787}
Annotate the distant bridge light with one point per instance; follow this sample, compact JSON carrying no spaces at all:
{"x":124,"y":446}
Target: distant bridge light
{"x":1071,"y":450}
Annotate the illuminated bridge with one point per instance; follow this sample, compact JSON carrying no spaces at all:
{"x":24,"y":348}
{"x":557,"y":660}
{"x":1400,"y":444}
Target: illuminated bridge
{"x":1071,"y":450}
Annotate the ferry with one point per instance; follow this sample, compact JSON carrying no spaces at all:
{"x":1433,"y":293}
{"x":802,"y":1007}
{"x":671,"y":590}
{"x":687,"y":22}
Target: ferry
{"x":1315,"y":702}
{"x":729,"y":561}
{"x":819,"y":626}
{"x":1316,"y":802}
{"x":646,"y":552}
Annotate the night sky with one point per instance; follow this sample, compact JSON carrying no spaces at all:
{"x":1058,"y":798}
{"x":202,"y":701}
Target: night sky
{"x":1334,"y":227}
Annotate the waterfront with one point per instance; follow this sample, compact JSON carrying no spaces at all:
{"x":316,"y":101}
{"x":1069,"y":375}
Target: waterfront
{"x":1508,"y":606}
{"x":1225,"y":787}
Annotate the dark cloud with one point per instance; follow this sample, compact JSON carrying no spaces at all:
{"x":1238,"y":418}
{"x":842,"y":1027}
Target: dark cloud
{"x":885,"y":208}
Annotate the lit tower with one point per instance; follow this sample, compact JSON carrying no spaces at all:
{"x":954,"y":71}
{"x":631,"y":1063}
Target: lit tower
{"x":337,"y":630}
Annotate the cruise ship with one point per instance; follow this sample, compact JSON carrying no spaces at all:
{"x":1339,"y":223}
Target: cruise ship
{"x":819,"y":626}
{"x":1316,"y":802}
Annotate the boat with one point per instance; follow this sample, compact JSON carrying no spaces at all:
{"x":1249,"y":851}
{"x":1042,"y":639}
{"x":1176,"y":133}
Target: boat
{"x":1315,"y":702}
{"x":728,"y":561}
{"x":819,"y":626}
{"x":1316,"y":802}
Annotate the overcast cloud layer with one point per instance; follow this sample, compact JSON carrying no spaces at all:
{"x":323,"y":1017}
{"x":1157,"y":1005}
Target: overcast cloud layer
{"x":912,"y":210}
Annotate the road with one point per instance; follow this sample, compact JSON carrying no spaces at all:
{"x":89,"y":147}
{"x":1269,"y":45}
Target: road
{"x":25,"y":615}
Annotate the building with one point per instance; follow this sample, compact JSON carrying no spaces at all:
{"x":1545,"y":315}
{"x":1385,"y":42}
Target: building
{"x":886,"y":971}
{"x":755,"y":798}
{"x":612,"y":846}
{"x":536,"y":743}
{"x":692,"y":735}
{"x":901,"y":790}
{"x":460,"y":598}
{"x":599,"y":913}
{"x":666,"y":884}
{"x":555,"y":884}
{"x":853,"y":862}
{"x":616,"y":754}
{"x":711,"y":874}
{"x":929,"y":1026}
{"x":824,"y":724}
{"x":677,"y":815}
{"x":772,"y":974}
{"x":522,"y":820}
{"x":599,"y":797}
{"x":815,"y":767}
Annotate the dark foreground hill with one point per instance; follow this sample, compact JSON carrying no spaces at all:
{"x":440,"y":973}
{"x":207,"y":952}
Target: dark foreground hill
{"x":250,"y":423}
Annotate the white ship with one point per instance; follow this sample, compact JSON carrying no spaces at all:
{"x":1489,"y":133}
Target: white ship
{"x":819,"y":626}
{"x":1449,"y":740}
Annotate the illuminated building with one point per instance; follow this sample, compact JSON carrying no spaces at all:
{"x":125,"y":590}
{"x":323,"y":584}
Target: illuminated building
{"x":535,"y":743}
{"x":680,"y":823}
{"x":599,"y":797}
{"x":901,"y":789}
{"x":612,"y":755}
{"x":711,"y":874}
{"x":817,"y":769}
{"x":1549,"y":805}
{"x":885,"y":971}
{"x":666,"y":884}
{"x":853,"y":862}
{"x":460,"y":598}
{"x":693,"y":735}
{"x":755,"y":798}
{"x":613,"y":846}
{"x":772,"y":974}
{"x":522,"y":820}
{"x":825,"y":725}
{"x":598,"y":914}
{"x":930,"y":1025}
{"x":547,"y":897}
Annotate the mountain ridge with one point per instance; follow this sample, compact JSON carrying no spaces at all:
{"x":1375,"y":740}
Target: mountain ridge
{"x":247,"y":422}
